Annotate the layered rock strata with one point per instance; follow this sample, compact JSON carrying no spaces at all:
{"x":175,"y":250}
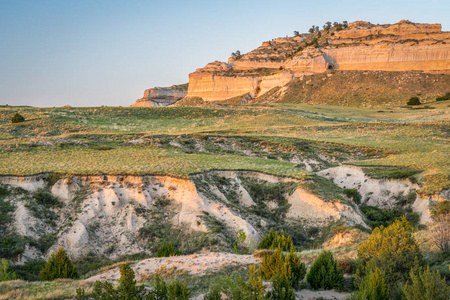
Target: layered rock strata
{"x":404,"y":46}
{"x":162,"y":96}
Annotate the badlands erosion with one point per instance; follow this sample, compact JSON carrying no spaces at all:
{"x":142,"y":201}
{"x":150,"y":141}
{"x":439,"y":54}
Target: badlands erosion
{"x":308,"y":135}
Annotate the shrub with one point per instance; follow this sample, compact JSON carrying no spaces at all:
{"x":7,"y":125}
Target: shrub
{"x":442,"y":98}
{"x":373,"y":287}
{"x":324,"y":273}
{"x":178,"y":291}
{"x":393,"y":250}
{"x":427,"y":286}
{"x":235,"y":288}
{"x":46,"y":241}
{"x":413,"y":101}
{"x":380,"y":217}
{"x":17,"y":118}
{"x":58,"y":266}
{"x":45,"y":198}
{"x":254,"y":289}
{"x":5,"y":273}
{"x":160,"y":290}
{"x":281,"y":289}
{"x":13,"y":244}
{"x":288,"y":267}
{"x":166,"y":250}
{"x":354,"y":194}
{"x":275,"y":240}
{"x":214,"y":293}
{"x":30,"y":271}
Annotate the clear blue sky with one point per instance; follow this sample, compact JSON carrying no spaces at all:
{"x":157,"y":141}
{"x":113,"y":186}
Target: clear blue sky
{"x":107,"y":52}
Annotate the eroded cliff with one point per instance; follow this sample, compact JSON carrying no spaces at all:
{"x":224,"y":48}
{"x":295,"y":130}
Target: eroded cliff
{"x":404,"y":46}
{"x":162,"y":96}
{"x":115,"y":216}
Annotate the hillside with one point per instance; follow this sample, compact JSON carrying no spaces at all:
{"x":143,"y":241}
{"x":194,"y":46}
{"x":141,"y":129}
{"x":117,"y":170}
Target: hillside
{"x":417,"y":54}
{"x":115,"y":184}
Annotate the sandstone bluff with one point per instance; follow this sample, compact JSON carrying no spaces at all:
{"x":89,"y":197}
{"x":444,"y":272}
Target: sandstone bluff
{"x":421,"y":52}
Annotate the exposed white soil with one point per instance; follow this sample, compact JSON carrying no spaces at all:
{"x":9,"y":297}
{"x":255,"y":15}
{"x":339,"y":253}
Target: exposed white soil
{"x":381,"y":193}
{"x":99,"y":213}
{"x":195,"y":264}
{"x":374,"y":192}
{"x":199,"y":264}
{"x":28,"y":183}
{"x":314,"y":211}
{"x":310,"y":295}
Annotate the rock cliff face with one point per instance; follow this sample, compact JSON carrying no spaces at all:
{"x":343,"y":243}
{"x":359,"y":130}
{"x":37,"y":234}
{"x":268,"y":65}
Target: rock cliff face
{"x":162,"y":96}
{"x":404,"y":46}
{"x":228,"y":83}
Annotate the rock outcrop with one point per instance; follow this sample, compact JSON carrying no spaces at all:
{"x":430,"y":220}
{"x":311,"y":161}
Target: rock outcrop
{"x":404,"y":46}
{"x":162,"y":96}
{"x":212,"y":86}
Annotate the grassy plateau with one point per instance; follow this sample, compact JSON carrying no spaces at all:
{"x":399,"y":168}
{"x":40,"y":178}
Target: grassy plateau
{"x":175,"y":140}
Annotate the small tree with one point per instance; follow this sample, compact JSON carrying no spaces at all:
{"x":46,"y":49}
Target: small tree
{"x":372,"y":287}
{"x":58,"y":266}
{"x":274,"y":240}
{"x":426,"y":286}
{"x":254,"y":289}
{"x":127,"y":283}
{"x":240,"y":246}
{"x":324,"y":273}
{"x":296,"y":33}
{"x":281,"y":289}
{"x":289,"y":267}
{"x":5,"y":273}
{"x":413,"y":101}
{"x":236,"y":54}
{"x":17,"y":118}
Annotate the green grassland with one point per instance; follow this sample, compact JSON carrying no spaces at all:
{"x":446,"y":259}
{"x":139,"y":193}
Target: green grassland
{"x":119,"y":140}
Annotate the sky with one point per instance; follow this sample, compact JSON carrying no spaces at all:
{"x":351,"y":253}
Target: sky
{"x":107,"y":52}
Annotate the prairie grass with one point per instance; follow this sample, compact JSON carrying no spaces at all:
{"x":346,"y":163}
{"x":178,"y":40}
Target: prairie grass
{"x":97,"y":139}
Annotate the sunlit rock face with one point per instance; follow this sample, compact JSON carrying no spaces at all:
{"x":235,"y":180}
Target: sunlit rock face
{"x":162,"y":96}
{"x":404,"y":46}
